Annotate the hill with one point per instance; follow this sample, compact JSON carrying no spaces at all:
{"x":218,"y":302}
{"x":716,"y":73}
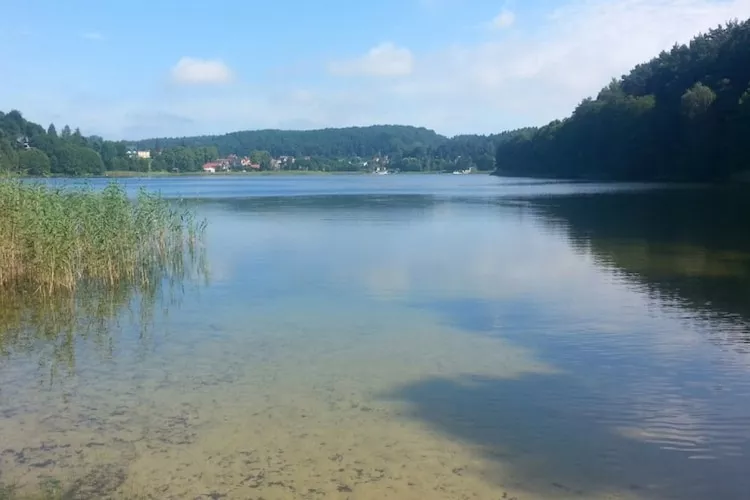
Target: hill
{"x":29,"y":148}
{"x":406,"y":148}
{"x":329,"y":143}
{"x":683,"y":116}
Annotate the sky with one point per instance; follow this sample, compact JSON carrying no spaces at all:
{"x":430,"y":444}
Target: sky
{"x":135,"y":69}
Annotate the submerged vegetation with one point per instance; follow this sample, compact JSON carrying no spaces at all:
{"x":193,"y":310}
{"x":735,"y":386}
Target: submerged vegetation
{"x":54,"y":239}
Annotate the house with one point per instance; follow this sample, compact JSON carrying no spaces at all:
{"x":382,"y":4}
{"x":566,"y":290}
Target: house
{"x":23,"y":141}
{"x":210,"y":167}
{"x":144,"y":155}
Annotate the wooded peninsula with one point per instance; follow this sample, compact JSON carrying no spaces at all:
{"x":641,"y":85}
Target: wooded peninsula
{"x":683,"y":116}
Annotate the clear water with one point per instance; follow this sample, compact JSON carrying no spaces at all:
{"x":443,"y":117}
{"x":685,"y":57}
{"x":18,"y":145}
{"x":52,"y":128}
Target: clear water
{"x":410,"y":337}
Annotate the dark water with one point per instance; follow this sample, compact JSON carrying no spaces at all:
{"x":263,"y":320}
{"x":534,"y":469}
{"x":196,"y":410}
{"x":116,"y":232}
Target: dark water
{"x":410,"y":337}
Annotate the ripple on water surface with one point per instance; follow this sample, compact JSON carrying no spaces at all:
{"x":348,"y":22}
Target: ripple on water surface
{"x":421,"y":339}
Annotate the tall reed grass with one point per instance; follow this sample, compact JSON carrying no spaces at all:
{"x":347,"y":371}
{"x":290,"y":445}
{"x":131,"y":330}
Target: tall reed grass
{"x":56,"y":239}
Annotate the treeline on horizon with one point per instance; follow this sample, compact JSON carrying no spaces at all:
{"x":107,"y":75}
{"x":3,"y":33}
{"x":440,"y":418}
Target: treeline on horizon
{"x":29,"y":149}
{"x":406,"y":148}
{"x":683,"y":116}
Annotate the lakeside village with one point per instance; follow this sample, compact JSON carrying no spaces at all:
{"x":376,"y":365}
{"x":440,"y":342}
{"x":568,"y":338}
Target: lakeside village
{"x":245,"y":164}
{"x":233,"y":163}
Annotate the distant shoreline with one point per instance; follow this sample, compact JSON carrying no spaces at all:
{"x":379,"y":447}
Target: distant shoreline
{"x":114,"y":174}
{"x":272,"y":173}
{"x":127,"y":174}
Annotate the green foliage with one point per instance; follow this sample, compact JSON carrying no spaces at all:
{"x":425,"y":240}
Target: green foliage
{"x":409,"y":149}
{"x":262,"y":158}
{"x":341,"y":150}
{"x":74,"y":160}
{"x":327,"y":143}
{"x":404,"y":148}
{"x":697,"y":100}
{"x":682,"y":116}
{"x":8,"y":156}
{"x":184,"y":159}
{"x":53,"y":239}
{"x":34,"y":162}
{"x":25,"y":145}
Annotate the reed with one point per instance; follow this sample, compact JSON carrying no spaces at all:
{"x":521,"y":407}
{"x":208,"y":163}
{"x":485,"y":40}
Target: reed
{"x":57,"y":239}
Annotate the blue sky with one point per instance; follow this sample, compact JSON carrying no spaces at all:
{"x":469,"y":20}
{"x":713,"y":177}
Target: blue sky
{"x":131,"y":69}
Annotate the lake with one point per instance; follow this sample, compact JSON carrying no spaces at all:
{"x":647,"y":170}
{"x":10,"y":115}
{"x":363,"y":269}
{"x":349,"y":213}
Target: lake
{"x":403,"y":337}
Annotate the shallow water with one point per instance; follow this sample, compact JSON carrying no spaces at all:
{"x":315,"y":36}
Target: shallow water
{"x":411,"y":337}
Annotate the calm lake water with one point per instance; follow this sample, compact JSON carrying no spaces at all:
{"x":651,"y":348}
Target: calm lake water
{"x":404,"y":337}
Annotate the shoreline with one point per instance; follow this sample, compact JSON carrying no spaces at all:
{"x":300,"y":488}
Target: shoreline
{"x":283,"y":173}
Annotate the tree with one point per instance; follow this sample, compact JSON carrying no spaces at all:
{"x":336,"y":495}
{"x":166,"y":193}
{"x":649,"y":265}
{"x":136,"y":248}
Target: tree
{"x":697,"y":100}
{"x":89,"y":161}
{"x":159,"y":165}
{"x":34,"y":162}
{"x":681,"y":116}
{"x":485,"y":162}
{"x":744,"y":102}
{"x":76,"y":160}
{"x":77,"y":138}
{"x":8,"y":157}
{"x":108,"y":154}
{"x":13,"y":124}
{"x":29,"y":148}
{"x":262,"y":158}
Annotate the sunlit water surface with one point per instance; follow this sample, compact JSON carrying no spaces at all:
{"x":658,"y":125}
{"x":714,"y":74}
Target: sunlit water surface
{"x":409,"y":337}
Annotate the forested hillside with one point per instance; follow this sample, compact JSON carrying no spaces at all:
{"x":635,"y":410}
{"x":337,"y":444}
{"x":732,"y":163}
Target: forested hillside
{"x":685,"y":115}
{"x":328,"y":143}
{"x":406,"y":148}
{"x":30,"y":149}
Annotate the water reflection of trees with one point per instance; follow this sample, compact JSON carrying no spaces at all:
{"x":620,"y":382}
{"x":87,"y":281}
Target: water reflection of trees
{"x":689,"y":246}
{"x":328,"y":204}
{"x":51,"y":328}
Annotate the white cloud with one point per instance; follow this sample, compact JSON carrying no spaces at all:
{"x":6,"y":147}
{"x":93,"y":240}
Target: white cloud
{"x":505,"y":80}
{"x":92,"y":35}
{"x":384,"y":60}
{"x":504,"y":19}
{"x":529,"y":78}
{"x":523,"y":78}
{"x":189,"y":70}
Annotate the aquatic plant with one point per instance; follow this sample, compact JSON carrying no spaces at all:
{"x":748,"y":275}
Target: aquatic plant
{"x":74,"y":263}
{"x":54,"y":238}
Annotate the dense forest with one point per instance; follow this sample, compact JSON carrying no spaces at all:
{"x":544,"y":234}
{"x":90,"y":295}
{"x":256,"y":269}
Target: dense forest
{"x":405,"y":148}
{"x":30,"y":149}
{"x":685,"y":115}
